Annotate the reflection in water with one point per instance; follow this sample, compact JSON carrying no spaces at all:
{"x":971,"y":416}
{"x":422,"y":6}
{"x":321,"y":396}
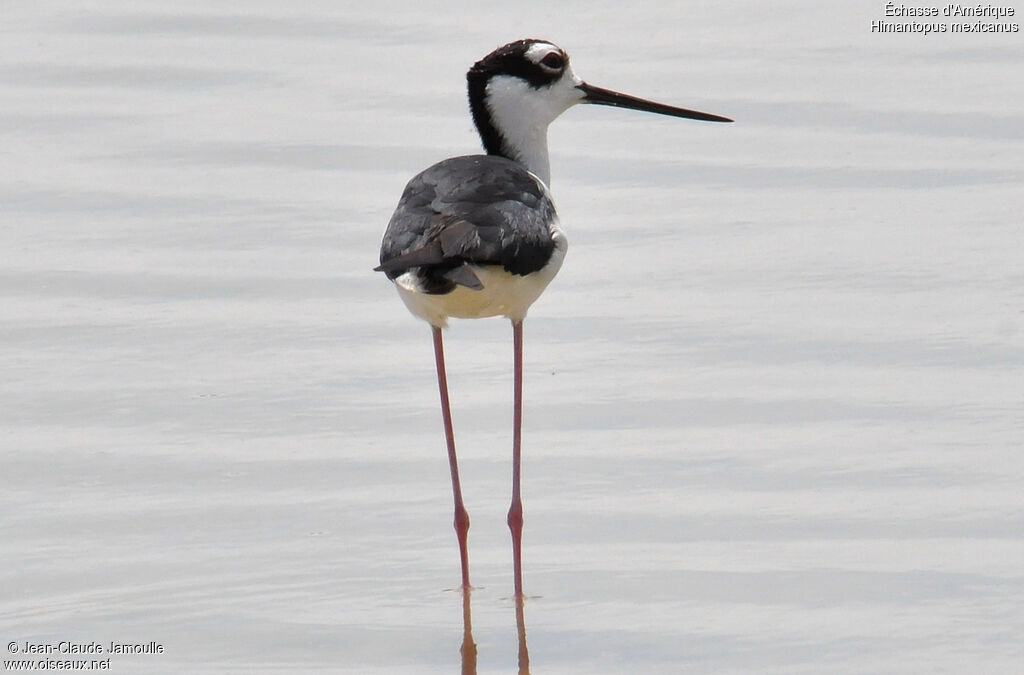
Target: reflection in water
{"x":524,"y":653}
{"x":468,"y":648}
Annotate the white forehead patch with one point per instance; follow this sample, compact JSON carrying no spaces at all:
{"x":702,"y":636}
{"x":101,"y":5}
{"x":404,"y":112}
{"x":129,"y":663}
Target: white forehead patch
{"x":539,"y":50}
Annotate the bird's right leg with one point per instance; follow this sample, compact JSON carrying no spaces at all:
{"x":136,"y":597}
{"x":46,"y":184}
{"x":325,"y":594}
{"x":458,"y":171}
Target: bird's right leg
{"x":461,"y":515}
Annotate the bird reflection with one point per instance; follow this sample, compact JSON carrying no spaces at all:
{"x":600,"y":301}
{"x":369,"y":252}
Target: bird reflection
{"x":468,"y":648}
{"x":524,"y":653}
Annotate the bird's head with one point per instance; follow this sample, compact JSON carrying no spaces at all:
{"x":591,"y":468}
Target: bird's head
{"x":517,"y":90}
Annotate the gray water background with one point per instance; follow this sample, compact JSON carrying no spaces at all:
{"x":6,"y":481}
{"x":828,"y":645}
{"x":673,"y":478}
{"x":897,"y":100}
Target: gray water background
{"x":774,"y":398}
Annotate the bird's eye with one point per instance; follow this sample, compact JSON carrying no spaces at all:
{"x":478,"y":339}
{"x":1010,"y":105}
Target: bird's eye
{"x":553,"y":60}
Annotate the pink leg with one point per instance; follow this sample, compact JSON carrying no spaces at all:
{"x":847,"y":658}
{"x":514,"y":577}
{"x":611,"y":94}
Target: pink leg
{"x":515,"y":511}
{"x":461,"y":515}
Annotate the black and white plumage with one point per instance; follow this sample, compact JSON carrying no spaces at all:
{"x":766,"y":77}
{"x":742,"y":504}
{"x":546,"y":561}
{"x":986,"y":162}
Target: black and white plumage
{"x":478,"y":236}
{"x":483,"y":223}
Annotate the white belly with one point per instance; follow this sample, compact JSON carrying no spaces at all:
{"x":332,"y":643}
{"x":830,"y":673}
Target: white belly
{"x":503,"y":294}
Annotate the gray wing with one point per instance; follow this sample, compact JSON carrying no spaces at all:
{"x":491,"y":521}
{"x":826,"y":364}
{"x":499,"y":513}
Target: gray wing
{"x":476,"y":209}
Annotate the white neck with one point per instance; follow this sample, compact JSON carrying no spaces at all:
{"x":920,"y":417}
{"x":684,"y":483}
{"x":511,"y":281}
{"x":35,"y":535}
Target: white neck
{"x":531,"y":150}
{"x":521,"y":114}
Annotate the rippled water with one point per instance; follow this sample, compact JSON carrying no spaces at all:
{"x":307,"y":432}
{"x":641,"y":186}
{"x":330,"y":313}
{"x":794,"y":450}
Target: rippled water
{"x":774,"y":399}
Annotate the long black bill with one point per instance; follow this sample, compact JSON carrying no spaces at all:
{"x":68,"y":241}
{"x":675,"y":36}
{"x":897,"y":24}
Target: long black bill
{"x":599,"y":96}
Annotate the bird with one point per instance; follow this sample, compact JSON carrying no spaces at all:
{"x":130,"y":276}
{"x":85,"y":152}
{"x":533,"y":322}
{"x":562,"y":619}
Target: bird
{"x":478,"y":236}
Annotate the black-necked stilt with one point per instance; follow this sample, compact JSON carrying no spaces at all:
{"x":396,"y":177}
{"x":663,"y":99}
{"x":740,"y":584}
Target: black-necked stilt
{"x":477,"y":236}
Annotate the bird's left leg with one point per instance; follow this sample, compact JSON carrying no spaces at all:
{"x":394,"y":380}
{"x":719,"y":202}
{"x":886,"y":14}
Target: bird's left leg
{"x":461,"y":515}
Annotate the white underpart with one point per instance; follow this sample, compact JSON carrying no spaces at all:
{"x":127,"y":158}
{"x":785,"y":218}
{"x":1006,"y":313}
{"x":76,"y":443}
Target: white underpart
{"x":503,"y":294}
{"x":522,"y":114}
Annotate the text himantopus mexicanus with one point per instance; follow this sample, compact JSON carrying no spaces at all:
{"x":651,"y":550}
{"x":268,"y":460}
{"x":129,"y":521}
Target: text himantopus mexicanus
{"x":477,"y":236}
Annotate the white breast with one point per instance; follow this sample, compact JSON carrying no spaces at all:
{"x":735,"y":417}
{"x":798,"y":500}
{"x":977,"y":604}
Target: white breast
{"x":503,"y":294}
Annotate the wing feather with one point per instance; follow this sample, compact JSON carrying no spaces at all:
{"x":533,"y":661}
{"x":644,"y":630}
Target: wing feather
{"x":477,"y":209}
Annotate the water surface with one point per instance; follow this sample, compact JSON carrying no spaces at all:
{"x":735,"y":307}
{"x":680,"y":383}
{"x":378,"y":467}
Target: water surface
{"x":773,"y":418}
